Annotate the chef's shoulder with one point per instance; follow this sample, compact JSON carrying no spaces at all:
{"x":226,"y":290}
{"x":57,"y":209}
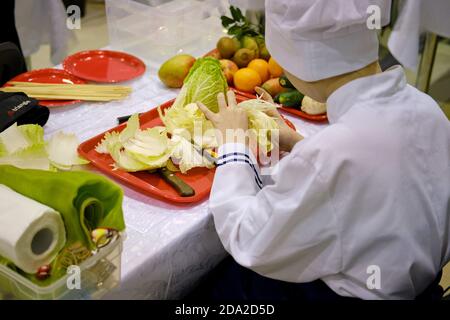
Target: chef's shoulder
{"x":333,"y":144}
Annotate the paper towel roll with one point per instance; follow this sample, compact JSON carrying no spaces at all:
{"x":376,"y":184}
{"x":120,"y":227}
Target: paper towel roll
{"x":31,"y":234}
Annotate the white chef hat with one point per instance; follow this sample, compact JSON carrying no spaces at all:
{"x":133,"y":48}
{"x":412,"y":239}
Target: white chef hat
{"x":318,"y":39}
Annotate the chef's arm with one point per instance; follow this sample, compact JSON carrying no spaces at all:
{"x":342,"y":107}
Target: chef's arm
{"x":286,"y":230}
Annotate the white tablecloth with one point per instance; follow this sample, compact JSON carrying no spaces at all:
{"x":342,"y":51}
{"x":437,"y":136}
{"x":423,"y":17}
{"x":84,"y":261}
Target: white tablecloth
{"x":168,"y":248}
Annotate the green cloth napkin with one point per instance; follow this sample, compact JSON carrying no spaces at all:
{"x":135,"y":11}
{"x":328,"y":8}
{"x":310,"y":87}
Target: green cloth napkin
{"x":86,"y":201}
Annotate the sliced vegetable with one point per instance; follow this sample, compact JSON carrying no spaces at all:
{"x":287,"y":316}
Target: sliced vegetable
{"x":313,"y":107}
{"x":34,"y":157}
{"x":12,"y":140}
{"x":110,"y":139}
{"x":145,"y":150}
{"x":24,"y":147}
{"x":62,"y":151}
{"x":131,"y":129}
{"x":259,"y":121}
{"x":186,"y":154}
{"x":123,"y":160}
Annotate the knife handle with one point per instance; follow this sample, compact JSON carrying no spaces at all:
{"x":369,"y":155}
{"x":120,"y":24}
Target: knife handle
{"x":123,"y":119}
{"x":178,"y":184}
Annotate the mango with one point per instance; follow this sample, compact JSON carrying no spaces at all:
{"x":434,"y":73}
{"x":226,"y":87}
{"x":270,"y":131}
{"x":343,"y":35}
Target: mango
{"x":173,"y":72}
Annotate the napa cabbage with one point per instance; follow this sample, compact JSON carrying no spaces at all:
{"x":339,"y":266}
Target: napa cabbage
{"x":203,"y":83}
{"x":24,"y":147}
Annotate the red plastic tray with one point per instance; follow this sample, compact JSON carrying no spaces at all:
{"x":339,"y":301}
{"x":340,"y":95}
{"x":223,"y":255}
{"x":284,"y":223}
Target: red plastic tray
{"x":304,"y":115}
{"x":316,"y":118}
{"x":200,"y":179}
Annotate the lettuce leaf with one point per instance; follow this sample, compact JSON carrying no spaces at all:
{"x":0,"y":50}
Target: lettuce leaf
{"x":33,"y":157}
{"x":108,"y":140}
{"x":259,"y":121}
{"x":203,"y":83}
{"x":12,"y":140}
{"x":186,"y":155}
{"x":24,"y":147}
{"x":33,"y":133}
{"x":62,"y":151}
{"x":137,"y":150}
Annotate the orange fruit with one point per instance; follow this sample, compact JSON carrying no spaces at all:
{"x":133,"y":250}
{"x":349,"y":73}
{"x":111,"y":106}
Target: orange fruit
{"x":275,"y":69}
{"x":246,"y":79}
{"x":262,"y":67}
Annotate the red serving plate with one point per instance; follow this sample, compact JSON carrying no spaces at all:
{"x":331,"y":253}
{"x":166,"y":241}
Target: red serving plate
{"x":50,"y":76}
{"x":104,"y":66}
{"x":200,"y":179}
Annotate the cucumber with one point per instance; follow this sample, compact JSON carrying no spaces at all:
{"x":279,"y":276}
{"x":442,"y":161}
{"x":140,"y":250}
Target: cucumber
{"x":292,"y":99}
{"x":277,"y":97}
{"x":285,"y":83}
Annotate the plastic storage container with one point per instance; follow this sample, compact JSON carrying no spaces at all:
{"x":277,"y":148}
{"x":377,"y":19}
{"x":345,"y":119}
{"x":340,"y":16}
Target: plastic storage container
{"x":155,"y":30}
{"x":99,"y":274}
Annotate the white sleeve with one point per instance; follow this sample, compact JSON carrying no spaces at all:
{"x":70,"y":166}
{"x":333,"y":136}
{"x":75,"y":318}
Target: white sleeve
{"x":288,"y":230}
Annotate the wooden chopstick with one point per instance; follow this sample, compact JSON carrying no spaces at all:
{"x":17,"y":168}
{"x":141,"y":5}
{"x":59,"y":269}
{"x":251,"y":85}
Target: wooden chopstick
{"x":69,"y":97}
{"x":52,"y":91}
{"x":81,"y":86}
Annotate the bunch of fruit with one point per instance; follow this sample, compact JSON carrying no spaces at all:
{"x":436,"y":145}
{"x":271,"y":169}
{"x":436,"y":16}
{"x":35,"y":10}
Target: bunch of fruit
{"x":246,"y":63}
{"x":255,"y":72}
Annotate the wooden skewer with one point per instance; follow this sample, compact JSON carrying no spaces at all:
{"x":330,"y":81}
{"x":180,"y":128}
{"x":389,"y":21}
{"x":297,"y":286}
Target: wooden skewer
{"x":68,"y":97}
{"x":60,"y":90}
{"x":57,"y":91}
{"x":65,"y":89}
{"x":77,"y":86}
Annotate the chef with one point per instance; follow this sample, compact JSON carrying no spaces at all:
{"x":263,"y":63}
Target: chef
{"x":361,"y":209}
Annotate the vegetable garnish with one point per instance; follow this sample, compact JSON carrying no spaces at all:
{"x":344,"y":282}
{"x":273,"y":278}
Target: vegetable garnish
{"x":259,"y":121}
{"x":24,"y":147}
{"x":143,"y":150}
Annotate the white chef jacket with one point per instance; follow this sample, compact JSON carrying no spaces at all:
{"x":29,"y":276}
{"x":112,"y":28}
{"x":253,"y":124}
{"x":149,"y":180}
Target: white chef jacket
{"x":416,"y":17}
{"x":369,"y":191}
{"x":41,"y":22}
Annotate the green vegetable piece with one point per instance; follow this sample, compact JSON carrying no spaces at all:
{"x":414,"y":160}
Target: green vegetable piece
{"x":285,"y":83}
{"x":292,"y":99}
